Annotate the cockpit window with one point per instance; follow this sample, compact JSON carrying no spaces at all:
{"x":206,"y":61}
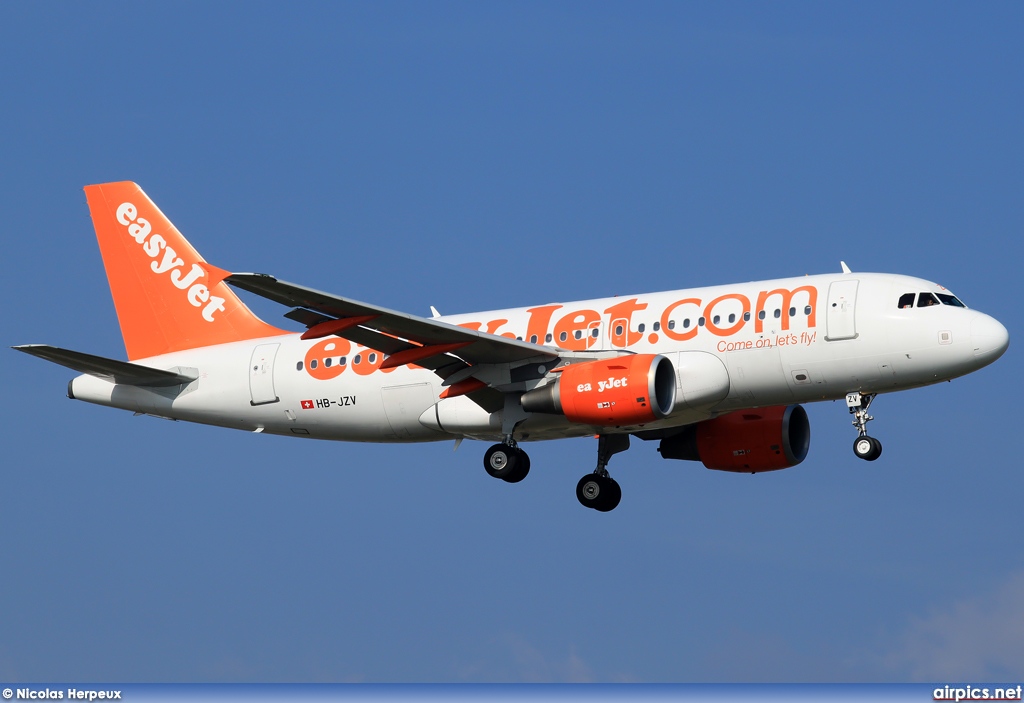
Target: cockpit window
{"x":906,"y":300}
{"x":948,"y":299}
{"x":925,"y":300}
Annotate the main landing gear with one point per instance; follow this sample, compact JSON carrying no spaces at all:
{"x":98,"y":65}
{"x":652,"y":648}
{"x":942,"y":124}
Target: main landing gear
{"x":866,"y":448}
{"x":598,"y":490}
{"x":507,"y":461}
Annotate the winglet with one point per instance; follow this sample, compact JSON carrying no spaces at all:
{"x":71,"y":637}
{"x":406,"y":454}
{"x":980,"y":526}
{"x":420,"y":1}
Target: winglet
{"x":846,"y":269}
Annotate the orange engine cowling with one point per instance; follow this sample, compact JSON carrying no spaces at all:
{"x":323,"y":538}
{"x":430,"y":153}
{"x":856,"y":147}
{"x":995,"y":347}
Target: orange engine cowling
{"x":763,"y":439}
{"x":626,"y":390}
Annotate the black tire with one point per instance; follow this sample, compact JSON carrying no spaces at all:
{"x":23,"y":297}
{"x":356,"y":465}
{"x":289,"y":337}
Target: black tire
{"x":601,"y":493}
{"x":867,"y":448}
{"x":500,"y":461}
{"x":521,"y":469}
{"x":610,"y":497}
{"x":589,"y":490}
{"x":878,"y":449}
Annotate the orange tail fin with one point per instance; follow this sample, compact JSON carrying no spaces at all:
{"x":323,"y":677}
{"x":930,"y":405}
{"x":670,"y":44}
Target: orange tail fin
{"x":167,"y":298}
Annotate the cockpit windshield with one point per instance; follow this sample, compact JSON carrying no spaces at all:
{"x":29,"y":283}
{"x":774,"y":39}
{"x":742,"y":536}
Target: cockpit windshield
{"x":927,"y":299}
{"x":948,"y":299}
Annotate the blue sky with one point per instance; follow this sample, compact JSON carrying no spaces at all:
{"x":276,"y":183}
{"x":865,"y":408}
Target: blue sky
{"x":476,"y":156}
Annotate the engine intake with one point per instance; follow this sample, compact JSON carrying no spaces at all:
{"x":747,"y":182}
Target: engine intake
{"x":625,"y":390}
{"x":763,"y":439}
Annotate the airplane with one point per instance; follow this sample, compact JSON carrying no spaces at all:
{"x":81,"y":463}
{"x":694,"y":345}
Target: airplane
{"x":715,"y":374}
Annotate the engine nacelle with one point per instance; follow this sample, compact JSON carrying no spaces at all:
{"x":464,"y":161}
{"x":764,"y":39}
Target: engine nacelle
{"x":764,"y":439}
{"x":625,"y":390}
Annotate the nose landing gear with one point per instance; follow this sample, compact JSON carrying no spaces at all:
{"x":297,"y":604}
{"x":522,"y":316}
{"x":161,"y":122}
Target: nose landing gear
{"x":866,"y":448}
{"x":598,"y":490}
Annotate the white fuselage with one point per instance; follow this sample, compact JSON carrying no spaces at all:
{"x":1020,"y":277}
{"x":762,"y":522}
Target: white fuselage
{"x":737,"y":346}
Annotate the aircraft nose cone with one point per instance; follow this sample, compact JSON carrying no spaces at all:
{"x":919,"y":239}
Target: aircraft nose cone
{"x":989,"y":337}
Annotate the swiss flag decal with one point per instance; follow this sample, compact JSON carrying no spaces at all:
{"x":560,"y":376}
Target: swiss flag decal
{"x":307,"y":405}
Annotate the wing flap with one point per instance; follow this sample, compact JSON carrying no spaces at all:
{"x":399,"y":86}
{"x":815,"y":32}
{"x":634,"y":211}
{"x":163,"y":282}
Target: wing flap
{"x":108,"y":369}
{"x":308,"y":318}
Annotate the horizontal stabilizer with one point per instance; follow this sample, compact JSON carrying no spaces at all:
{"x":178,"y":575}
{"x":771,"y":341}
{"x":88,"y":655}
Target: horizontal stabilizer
{"x":108,"y":369}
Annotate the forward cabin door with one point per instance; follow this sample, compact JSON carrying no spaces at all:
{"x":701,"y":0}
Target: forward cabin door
{"x":840,"y":315}
{"x":261,"y":374}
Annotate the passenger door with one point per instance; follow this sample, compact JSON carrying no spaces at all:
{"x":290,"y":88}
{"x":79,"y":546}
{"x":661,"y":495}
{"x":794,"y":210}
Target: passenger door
{"x":840,"y":316}
{"x":261,"y":374}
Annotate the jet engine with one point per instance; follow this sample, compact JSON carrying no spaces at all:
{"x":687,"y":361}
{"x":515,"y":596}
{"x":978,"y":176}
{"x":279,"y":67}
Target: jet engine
{"x":625,"y":390}
{"x":763,"y":439}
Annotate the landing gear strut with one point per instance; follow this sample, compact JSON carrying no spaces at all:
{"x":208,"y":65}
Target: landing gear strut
{"x":866,"y":448}
{"x":507,"y":461}
{"x":598,"y":490}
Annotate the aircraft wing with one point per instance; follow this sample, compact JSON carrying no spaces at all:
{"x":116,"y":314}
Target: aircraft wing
{"x":107,"y":369}
{"x":389,"y":331}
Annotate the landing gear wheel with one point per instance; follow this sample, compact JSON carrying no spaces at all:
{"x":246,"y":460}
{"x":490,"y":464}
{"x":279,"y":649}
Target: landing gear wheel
{"x":612,"y":495}
{"x":521,"y":468}
{"x":601,"y":493}
{"x":588,"y":490}
{"x":500,"y":461}
{"x":867,"y":448}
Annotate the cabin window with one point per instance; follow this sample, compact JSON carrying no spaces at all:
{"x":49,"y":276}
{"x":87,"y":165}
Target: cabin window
{"x":760,"y":315}
{"x":906,"y":301}
{"x":716,"y":319}
{"x":640,"y":327}
{"x":312,"y":364}
{"x":547,"y":338}
{"x":686,"y":323}
{"x":578,"y":334}
{"x":373,"y":358}
{"x":792,"y":312}
{"x":777,"y":314}
{"x":342,"y":361}
{"x":746,"y":317}
{"x":298,"y":366}
{"x":562,"y":337}
{"x":807,"y":310}
{"x":950,"y":300}
{"x":533,"y":339}
{"x":732,"y":318}
{"x":657,"y":326}
{"x":618,"y":330}
{"x":594,"y":332}
{"x":926,"y":300}
{"x":328,"y":361}
{"x":700,"y":321}
{"x":672,"y":324}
